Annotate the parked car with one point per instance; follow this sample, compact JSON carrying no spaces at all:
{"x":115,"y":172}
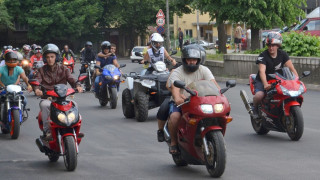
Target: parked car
{"x":227,"y":44}
{"x":309,"y":25}
{"x":204,"y":44}
{"x":133,"y":57}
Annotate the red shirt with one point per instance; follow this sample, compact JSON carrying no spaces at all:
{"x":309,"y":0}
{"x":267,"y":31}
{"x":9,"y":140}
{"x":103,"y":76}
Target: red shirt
{"x":35,"y":58}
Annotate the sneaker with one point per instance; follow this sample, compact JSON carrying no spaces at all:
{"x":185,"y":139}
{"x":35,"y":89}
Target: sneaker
{"x":160,"y":135}
{"x":48,"y":136}
{"x":255,"y":114}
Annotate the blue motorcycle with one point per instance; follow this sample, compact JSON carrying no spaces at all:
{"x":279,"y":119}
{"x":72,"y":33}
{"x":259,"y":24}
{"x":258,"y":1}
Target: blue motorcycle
{"x":13,"y":111}
{"x":109,"y":85}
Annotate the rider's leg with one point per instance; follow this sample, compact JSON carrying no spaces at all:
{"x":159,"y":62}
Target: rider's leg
{"x":257,"y":98}
{"x":96,"y":85}
{"x":45,"y":112}
{"x":162,"y":116}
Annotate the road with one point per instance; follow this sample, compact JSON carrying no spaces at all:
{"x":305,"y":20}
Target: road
{"x":118,"y":148}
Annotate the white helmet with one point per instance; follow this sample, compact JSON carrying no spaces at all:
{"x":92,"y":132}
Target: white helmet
{"x":155,"y":39}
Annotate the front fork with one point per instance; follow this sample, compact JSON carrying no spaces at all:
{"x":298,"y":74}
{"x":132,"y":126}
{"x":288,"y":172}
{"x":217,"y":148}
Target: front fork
{"x":60,"y":141}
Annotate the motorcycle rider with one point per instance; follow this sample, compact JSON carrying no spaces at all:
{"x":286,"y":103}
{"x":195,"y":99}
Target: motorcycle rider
{"x":157,"y":52}
{"x":49,"y":75}
{"x":37,"y":55}
{"x":189,"y":72}
{"x":26,"y":51}
{"x":269,"y":61}
{"x":87,"y":55}
{"x":66,"y":51}
{"x":105,"y":57}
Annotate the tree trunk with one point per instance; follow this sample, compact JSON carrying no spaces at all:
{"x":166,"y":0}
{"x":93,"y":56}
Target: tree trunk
{"x":222,"y":36}
{"x":255,"y":42}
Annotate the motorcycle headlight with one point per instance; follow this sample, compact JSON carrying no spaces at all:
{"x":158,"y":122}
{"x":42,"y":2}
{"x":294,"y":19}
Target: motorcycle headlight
{"x":65,"y":63}
{"x":71,"y":117}
{"x":62,"y":118}
{"x":115,"y":77}
{"x":286,"y":92}
{"x":206,"y":108}
{"x":108,"y":77}
{"x":25,"y":62}
{"x":218,"y":108}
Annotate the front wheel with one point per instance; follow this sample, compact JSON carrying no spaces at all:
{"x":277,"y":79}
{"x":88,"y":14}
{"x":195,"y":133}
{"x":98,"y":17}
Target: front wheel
{"x":15,"y":124}
{"x":127,"y":106}
{"x":216,"y":160}
{"x":70,"y":153}
{"x":141,"y":102}
{"x":294,"y":123}
{"x":88,"y":84}
{"x":113,"y":97}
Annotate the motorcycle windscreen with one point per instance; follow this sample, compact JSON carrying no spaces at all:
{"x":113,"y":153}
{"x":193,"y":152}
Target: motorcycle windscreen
{"x":109,"y":67}
{"x":204,"y":88}
{"x":286,"y":74}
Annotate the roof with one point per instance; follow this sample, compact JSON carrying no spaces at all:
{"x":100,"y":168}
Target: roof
{"x":315,"y":13}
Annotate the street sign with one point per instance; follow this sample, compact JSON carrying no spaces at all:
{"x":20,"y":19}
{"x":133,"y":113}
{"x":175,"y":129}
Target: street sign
{"x":160,"y":14}
{"x":160,"y":29}
{"x":160,"y":21}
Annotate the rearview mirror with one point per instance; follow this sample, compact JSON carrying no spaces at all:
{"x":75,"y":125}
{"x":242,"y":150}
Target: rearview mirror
{"x":179,"y":84}
{"x":138,"y":54}
{"x":231,"y":83}
{"x":306,"y":73}
{"x":122,"y":65}
{"x":173,"y":52}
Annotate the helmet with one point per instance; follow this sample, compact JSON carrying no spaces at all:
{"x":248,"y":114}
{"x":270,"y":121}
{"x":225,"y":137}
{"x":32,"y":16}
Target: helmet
{"x":20,"y":56}
{"x":33,"y":46}
{"x":274,"y":38}
{"x":26,"y":47}
{"x":88,"y":43}
{"x":156,"y":38}
{"x":8,"y":55}
{"x":203,"y":53}
{"x":37,"y":49}
{"x":105,"y":44}
{"x":9,"y":47}
{"x":194,"y":52}
{"x":51,"y":48}
{"x":17,"y":49}
{"x":5,"y":48}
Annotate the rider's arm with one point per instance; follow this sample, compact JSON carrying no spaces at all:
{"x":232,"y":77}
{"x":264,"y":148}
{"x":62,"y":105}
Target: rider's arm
{"x":100,"y":54}
{"x":98,"y":63}
{"x":1,"y":82}
{"x":166,"y":55}
{"x":26,"y":80}
{"x":291,"y":67}
{"x":263,"y":77}
{"x":115,"y":62}
{"x":146,"y":57}
{"x":72,"y":54}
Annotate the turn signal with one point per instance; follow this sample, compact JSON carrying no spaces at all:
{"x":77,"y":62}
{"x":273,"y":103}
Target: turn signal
{"x":123,"y":81}
{"x":229,"y":119}
{"x":86,"y":66}
{"x":193,"y":121}
{"x":100,"y":83}
{"x":153,"y":93}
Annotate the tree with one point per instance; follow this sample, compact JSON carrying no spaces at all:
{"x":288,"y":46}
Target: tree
{"x":5,"y":19}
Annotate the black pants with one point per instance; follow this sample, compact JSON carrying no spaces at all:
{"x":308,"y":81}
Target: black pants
{"x":82,"y":69}
{"x":163,"y":112}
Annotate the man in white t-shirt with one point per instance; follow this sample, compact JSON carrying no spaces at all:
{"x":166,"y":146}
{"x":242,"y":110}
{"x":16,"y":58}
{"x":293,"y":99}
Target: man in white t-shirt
{"x":189,"y":72}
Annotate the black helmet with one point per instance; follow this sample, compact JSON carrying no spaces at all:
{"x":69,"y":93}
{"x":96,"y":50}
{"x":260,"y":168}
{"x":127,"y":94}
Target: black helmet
{"x":33,"y":46}
{"x":88,"y":43}
{"x":193,"y":52}
{"x":104,"y":45}
{"x":51,"y":48}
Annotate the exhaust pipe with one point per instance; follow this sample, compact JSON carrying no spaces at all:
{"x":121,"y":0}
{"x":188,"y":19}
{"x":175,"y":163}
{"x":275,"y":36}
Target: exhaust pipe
{"x":166,"y":132}
{"x":246,"y":101}
{"x":40,"y":145}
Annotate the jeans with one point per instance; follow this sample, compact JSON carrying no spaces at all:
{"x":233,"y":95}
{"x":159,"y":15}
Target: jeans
{"x":96,"y":85}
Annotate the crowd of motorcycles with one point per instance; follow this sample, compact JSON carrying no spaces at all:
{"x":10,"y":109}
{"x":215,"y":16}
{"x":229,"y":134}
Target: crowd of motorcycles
{"x":205,"y":114}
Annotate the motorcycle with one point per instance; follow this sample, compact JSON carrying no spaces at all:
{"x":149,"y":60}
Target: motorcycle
{"x":109,"y":85}
{"x":205,"y":115}
{"x":87,"y":77}
{"x":69,"y":62}
{"x":13,"y":112}
{"x":35,"y":67}
{"x":65,"y":122}
{"x":26,"y":66}
{"x":280,"y":109}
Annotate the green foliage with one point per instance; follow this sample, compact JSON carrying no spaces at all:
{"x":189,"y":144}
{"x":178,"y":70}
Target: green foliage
{"x":257,"y":51}
{"x":300,"y":44}
{"x":5,"y":18}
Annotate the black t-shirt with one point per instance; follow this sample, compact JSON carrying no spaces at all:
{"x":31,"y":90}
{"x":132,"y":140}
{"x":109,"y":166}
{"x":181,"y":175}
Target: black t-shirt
{"x":273,"y":65}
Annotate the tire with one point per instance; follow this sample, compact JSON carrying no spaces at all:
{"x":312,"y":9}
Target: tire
{"x":296,"y":125}
{"x":70,"y":153}
{"x":258,"y":126}
{"x":87,"y":84}
{"x":113,"y":97}
{"x":15,"y":124}
{"x":127,"y":106}
{"x":216,"y":160}
{"x":102,"y":103}
{"x":53,"y":157}
{"x":141,"y":102}
{"x":132,"y":60}
{"x":178,"y":160}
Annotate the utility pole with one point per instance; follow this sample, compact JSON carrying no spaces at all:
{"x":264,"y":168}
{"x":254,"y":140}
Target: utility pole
{"x":198,"y":35}
{"x":168,"y":26}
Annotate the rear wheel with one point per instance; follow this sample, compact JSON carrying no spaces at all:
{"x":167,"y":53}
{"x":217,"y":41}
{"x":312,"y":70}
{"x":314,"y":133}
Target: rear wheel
{"x":258,"y":126}
{"x":216,"y":160}
{"x":70,"y":153}
{"x":113,"y":97}
{"x":141,"y":106}
{"x":127,"y":106}
{"x":15,"y":124}
{"x":295,"y":123}
{"x":87,"y":83}
{"x":102,"y":103}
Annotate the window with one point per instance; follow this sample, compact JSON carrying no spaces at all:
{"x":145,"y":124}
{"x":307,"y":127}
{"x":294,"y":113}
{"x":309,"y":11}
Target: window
{"x":188,"y":32}
{"x":201,"y":31}
{"x":313,"y":25}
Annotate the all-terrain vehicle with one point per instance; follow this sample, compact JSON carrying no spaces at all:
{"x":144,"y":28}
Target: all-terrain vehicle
{"x":145,"y":92}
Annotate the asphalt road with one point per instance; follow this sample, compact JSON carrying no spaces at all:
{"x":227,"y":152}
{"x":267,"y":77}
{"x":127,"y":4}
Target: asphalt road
{"x":118,"y":148}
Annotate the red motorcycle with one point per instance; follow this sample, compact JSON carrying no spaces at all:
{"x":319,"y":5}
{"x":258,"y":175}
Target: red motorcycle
{"x":65,"y":122}
{"x":69,"y":62}
{"x":280,"y":109}
{"x":205,"y":115}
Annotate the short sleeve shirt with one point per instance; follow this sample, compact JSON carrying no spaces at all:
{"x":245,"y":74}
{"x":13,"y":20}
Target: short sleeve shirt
{"x":273,"y":65}
{"x":6,"y":79}
{"x":203,"y":73}
{"x":238,"y":33}
{"x":104,"y":61}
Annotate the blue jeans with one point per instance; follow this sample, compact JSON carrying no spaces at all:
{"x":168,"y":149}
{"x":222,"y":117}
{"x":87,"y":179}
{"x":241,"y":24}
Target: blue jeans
{"x":96,"y":85}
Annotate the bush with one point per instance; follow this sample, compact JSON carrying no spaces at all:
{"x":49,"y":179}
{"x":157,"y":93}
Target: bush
{"x":301,"y":44}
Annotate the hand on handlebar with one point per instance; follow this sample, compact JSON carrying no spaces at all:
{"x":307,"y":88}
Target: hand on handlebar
{"x":79,"y":88}
{"x":180,"y":99}
{"x":173,"y":62}
{"x":267,"y":86}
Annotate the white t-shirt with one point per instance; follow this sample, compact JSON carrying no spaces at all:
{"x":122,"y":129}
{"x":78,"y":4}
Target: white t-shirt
{"x":203,"y":73}
{"x":249,"y":33}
